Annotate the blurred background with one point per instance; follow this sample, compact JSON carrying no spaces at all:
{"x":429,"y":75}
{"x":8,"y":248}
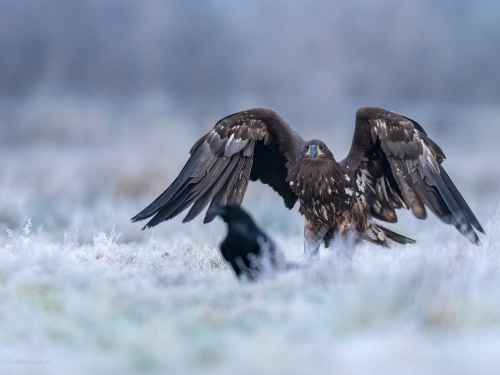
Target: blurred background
{"x":100,"y":101}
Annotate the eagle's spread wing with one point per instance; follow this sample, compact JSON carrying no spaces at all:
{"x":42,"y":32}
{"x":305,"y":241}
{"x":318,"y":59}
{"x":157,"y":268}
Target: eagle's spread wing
{"x":256,"y":144}
{"x":398,"y":165}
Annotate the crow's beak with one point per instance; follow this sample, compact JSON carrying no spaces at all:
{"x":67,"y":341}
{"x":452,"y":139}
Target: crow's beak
{"x":313,"y":151}
{"x":216,"y":211}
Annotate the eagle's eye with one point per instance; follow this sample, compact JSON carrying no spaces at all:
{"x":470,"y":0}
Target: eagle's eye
{"x":321,"y":147}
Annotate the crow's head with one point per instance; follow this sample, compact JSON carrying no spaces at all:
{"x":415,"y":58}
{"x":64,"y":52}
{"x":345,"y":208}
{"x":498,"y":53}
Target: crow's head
{"x":232,"y":214}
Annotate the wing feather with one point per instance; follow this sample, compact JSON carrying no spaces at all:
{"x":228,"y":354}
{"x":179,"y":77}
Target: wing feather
{"x":256,"y":144}
{"x":212,"y":188}
{"x":220,"y":198}
{"x":190,"y":193}
{"x":198,"y":161}
{"x":240,"y":187}
{"x":411,"y":167}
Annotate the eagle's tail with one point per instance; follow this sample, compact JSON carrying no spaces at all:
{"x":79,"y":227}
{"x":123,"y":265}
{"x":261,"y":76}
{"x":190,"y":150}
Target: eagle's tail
{"x":395,"y":236}
{"x":380,"y":235}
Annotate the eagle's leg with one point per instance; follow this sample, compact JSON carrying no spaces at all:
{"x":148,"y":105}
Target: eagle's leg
{"x":313,"y":241}
{"x":344,"y":244}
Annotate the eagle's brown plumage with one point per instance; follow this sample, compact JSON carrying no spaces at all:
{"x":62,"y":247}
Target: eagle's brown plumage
{"x":392,"y":164}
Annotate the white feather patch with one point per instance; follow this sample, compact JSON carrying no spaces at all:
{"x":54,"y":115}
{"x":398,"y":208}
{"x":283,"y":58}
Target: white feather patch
{"x":234,"y":145}
{"x":360,"y":181}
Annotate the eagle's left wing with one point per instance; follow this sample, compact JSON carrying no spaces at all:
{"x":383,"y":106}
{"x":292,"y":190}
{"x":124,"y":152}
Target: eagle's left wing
{"x":398,"y":165}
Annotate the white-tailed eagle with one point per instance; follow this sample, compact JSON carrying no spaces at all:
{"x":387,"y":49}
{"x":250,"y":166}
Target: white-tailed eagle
{"x":392,"y":164}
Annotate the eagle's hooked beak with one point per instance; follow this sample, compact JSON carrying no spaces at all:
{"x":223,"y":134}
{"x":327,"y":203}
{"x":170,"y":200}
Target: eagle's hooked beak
{"x":314,"y":151}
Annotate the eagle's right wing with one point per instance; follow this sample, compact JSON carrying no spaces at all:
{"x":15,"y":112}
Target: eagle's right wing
{"x":255,"y":144}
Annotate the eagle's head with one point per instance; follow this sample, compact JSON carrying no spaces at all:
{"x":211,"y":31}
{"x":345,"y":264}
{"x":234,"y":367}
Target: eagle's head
{"x":317,"y":166}
{"x":316,"y":151}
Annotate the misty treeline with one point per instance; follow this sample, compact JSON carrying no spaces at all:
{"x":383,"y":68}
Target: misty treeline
{"x":305,"y":53}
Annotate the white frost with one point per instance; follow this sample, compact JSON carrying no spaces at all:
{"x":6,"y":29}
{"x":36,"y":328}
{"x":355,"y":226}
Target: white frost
{"x":165,"y":301}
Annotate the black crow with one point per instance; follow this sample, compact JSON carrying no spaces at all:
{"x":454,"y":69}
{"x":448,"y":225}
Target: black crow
{"x":247,"y":248}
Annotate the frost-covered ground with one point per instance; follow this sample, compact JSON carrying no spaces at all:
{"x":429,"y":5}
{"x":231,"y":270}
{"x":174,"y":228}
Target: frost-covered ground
{"x":175,"y":307}
{"x":89,"y":292}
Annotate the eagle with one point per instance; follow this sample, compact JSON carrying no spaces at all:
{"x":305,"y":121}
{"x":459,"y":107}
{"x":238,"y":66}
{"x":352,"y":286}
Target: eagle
{"x":392,"y":164}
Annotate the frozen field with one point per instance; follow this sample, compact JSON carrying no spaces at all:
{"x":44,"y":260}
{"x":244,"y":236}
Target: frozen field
{"x":88,"y":292}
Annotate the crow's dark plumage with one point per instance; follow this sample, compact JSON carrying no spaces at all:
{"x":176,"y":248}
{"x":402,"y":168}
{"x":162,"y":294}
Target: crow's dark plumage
{"x":392,"y":164}
{"x":248,"y":249}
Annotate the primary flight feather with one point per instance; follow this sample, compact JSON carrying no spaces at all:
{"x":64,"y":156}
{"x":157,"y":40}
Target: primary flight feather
{"x":392,"y":164}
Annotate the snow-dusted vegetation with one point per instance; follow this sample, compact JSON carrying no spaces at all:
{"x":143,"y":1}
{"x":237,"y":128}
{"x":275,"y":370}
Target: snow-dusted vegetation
{"x":175,"y":307}
{"x":100,"y":102}
{"x":89,"y":292}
